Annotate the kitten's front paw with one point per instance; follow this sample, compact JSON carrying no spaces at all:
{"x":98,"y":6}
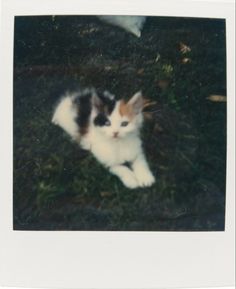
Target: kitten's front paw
{"x":130,"y":181}
{"x":145,"y":178}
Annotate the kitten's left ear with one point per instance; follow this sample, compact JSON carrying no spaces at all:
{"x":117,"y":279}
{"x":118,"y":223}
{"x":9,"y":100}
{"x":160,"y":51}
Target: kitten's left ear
{"x":137,"y":102}
{"x":96,"y":101}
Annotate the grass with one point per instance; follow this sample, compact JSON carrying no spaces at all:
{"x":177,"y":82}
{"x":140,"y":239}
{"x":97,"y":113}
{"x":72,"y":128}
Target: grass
{"x":58,"y":186}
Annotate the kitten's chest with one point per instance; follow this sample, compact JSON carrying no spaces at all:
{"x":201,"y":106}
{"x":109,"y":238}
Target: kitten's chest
{"x":116,"y":152}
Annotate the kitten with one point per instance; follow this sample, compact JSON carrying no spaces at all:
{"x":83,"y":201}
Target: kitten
{"x":110,"y":129}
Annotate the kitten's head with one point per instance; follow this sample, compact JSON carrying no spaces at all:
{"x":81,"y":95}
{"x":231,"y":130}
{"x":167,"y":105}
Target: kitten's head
{"x":117,"y":119}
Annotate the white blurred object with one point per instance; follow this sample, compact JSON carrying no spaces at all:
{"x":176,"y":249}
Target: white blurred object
{"x":132,"y":24}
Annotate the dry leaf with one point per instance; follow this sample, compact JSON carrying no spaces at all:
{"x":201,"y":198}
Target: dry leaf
{"x":185,"y":60}
{"x":158,"y":128}
{"x":217,"y":98}
{"x":148,"y":115}
{"x":140,"y":71}
{"x":163,"y":83}
{"x":184,"y":48}
{"x":157,"y":57}
{"x":105,"y":194}
{"x":107,"y":68}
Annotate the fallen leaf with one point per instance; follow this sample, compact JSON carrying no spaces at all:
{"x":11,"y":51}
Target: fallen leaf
{"x":163,"y":83}
{"x":140,"y":71}
{"x":217,"y":98}
{"x":184,"y":48}
{"x":185,"y":60}
{"x":107,"y":68}
{"x":157,"y":57}
{"x":158,"y":128}
{"x":148,"y":115}
{"x":105,"y":194}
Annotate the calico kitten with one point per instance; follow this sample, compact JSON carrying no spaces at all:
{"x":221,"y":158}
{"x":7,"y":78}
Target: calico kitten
{"x":109,"y":128}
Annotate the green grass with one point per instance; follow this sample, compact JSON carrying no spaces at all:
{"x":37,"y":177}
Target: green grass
{"x":58,"y":186}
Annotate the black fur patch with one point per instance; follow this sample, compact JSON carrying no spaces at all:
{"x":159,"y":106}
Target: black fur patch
{"x":107,"y":100}
{"x":84,"y":110}
{"x":100,"y":119}
{"x":84,"y":104}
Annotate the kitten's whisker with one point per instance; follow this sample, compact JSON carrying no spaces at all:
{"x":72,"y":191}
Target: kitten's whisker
{"x":152,"y":111}
{"x":149,"y":103}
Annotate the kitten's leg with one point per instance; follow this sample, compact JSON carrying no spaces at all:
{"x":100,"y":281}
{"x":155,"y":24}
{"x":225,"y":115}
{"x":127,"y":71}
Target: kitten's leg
{"x":126,"y":176}
{"x":142,"y":172}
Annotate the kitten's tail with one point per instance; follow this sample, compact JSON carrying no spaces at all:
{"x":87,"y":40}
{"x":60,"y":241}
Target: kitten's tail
{"x":65,"y":115}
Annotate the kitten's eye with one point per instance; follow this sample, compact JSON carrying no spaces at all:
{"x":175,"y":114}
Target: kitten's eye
{"x":124,"y":123}
{"x":107,"y":123}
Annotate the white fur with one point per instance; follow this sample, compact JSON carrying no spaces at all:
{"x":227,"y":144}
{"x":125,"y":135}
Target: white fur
{"x":65,"y":115}
{"x":111,"y":152}
{"x":133,"y":24}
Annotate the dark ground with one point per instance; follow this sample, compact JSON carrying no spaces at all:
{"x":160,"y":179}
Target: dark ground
{"x":179,"y":63}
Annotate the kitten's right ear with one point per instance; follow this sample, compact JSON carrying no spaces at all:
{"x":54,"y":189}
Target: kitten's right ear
{"x":136,"y":102}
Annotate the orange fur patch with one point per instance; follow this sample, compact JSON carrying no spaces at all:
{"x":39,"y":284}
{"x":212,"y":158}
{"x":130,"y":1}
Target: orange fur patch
{"x":126,"y":110}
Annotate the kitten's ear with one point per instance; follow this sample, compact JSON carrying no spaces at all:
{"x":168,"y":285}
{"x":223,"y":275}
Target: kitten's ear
{"x":137,"y":102}
{"x":96,"y":101}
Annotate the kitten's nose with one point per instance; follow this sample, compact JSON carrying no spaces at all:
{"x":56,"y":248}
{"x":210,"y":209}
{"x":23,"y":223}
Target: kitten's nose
{"x":115,"y":134}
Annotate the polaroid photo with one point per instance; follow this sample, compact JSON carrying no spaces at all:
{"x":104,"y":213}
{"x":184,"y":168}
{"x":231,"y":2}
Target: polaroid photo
{"x":118,"y":126}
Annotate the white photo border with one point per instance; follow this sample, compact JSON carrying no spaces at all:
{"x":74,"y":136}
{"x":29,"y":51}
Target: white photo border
{"x":113,"y":259}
